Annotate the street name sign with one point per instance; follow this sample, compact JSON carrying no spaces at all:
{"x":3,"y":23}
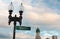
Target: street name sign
{"x":23,"y":28}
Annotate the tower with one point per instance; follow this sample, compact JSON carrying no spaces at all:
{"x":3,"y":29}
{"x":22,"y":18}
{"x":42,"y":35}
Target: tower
{"x":38,"y":34}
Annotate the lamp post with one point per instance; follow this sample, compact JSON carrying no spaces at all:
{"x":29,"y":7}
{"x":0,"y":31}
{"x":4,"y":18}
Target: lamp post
{"x":15,"y":18}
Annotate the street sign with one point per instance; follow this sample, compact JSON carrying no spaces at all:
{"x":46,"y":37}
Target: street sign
{"x":23,"y":28}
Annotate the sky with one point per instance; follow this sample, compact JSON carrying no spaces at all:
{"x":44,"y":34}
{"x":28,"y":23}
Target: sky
{"x":44,"y":14}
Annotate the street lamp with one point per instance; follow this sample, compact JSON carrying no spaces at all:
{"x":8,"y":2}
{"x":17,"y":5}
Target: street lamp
{"x":21,"y":12}
{"x":11,"y":7}
{"x":15,"y":18}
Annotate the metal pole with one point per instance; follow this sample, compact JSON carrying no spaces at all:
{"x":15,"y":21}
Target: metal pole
{"x":14,"y":30}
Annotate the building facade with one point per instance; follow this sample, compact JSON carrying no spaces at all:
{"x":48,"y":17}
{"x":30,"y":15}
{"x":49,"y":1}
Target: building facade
{"x":54,"y":37}
{"x":47,"y":38}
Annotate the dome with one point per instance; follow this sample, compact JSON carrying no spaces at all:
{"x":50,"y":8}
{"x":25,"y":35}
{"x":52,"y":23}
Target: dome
{"x":37,"y":30}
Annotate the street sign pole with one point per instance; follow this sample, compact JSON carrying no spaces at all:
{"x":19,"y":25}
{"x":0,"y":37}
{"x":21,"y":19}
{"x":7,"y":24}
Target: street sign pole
{"x":16,"y":19}
{"x":14,"y":29}
{"x":14,"y":32}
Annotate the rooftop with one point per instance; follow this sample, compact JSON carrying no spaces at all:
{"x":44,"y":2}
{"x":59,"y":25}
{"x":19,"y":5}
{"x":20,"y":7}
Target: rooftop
{"x":37,"y":30}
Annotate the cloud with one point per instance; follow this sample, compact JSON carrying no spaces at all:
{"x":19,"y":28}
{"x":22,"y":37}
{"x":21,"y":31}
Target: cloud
{"x":4,"y":36}
{"x":33,"y":14}
{"x":3,"y":13}
{"x":43,"y":15}
{"x":24,"y":36}
{"x":49,"y":33}
{"x":47,"y":18}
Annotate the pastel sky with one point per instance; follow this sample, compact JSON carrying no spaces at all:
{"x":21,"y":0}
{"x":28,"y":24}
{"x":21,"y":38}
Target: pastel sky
{"x":44,"y":14}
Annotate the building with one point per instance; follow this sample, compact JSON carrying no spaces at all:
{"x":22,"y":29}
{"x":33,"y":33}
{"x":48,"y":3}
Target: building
{"x":54,"y":37}
{"x":38,"y":34}
{"x":39,"y":37}
{"x":47,"y":38}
